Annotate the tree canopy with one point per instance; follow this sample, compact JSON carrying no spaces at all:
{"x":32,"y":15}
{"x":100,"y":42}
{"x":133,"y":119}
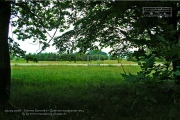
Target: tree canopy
{"x":39,"y":21}
{"x":122,"y":26}
{"x":118,"y":24}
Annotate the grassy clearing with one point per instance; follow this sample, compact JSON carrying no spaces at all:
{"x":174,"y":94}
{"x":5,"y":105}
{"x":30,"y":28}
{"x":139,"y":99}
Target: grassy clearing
{"x":100,"y":93}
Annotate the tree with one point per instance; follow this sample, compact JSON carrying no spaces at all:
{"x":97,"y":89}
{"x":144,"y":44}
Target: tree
{"x":35,"y":20}
{"x":98,"y":54}
{"x":121,"y":25}
{"x":40,"y":22}
{"x":14,"y":49}
{"x":5,"y":72}
{"x":30,"y":57}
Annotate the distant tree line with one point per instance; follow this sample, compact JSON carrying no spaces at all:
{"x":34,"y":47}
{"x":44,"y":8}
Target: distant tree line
{"x":67,"y":57}
{"x":30,"y":57}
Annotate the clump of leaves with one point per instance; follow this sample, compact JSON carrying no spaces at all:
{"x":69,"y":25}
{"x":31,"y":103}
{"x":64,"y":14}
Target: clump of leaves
{"x":153,"y":76}
{"x":150,"y":72}
{"x":153,"y":73}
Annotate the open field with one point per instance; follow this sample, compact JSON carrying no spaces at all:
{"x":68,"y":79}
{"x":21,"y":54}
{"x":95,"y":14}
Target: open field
{"x":83,"y":93}
{"x":107,"y":62}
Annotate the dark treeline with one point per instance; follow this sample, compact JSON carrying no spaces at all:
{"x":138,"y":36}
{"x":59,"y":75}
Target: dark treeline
{"x":67,"y":57}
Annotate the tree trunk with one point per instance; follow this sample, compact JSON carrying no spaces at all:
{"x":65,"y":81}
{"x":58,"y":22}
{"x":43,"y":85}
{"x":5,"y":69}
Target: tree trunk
{"x":5,"y":71}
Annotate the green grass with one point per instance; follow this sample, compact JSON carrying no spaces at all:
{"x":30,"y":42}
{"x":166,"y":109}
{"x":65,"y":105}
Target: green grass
{"x":77,"y":62}
{"x":99,"y":92}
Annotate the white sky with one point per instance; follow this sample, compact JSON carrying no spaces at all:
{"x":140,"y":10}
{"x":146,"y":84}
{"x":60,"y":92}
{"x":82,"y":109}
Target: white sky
{"x":30,"y":47}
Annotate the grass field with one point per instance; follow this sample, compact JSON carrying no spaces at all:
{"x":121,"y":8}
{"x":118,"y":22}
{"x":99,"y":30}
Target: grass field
{"x":83,"y":93}
{"x":77,"y":62}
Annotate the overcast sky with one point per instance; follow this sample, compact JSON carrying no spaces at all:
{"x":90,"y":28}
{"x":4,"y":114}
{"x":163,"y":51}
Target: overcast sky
{"x":30,"y":47}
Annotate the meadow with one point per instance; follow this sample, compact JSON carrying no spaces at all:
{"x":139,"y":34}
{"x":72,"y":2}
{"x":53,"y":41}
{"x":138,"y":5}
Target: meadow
{"x":83,"y":93}
{"x":123,"y":61}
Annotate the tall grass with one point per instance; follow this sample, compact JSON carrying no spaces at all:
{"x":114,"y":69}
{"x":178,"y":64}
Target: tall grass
{"x":100,"y":93}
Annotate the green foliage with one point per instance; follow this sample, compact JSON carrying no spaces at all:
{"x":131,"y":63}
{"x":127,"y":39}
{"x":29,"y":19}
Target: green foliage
{"x":119,"y":25}
{"x":37,"y":19}
{"x":152,"y":73}
{"x":112,"y":57}
{"x":14,"y":49}
{"x":66,"y":57}
{"x":152,"y":36}
{"x":177,"y":73}
{"x":99,"y":52}
{"x":30,"y":57}
{"x":100,"y":21}
{"x":155,"y":77}
{"x":47,"y":56}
